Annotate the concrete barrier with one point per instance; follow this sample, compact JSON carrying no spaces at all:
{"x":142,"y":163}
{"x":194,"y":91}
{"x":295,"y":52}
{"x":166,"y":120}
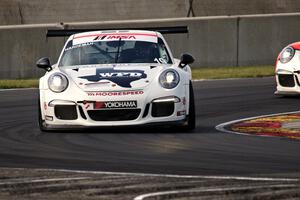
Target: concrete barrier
{"x":214,"y":41}
{"x":20,"y":49}
{"x":208,"y":37}
{"x":262,"y":37}
{"x":55,"y":11}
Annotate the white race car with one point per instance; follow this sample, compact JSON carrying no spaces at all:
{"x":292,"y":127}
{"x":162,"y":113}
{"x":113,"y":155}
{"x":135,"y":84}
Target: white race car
{"x":116,"y":78}
{"x":288,"y":70}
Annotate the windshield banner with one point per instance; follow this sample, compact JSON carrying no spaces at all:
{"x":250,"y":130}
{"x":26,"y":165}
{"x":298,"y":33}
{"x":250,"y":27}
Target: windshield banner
{"x":117,"y":36}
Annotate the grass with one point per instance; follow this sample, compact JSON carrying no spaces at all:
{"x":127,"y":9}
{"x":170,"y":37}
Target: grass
{"x":19,"y":83}
{"x":198,"y":73}
{"x":233,"y":72}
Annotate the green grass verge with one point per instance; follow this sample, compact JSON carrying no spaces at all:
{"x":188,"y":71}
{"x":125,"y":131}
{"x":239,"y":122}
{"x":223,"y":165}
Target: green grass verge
{"x":233,"y":72}
{"x":198,"y":73}
{"x":24,"y":83}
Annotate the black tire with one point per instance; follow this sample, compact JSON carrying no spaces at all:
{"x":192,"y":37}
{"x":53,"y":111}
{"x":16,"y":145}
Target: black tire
{"x":191,"y":118}
{"x":41,"y":122}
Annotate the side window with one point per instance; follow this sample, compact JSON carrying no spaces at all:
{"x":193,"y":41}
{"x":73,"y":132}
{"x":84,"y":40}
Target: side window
{"x":164,"y":55}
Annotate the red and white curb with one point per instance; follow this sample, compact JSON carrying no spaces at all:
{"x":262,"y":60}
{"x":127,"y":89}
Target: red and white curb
{"x":286,"y":125}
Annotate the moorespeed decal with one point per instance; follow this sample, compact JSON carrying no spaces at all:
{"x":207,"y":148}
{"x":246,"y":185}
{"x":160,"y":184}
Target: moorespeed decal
{"x":115,"y":104}
{"x":119,"y":93}
{"x":122,"y":78}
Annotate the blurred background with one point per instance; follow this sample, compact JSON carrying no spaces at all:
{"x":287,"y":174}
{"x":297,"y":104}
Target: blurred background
{"x":45,"y":11}
{"x":221,"y":32}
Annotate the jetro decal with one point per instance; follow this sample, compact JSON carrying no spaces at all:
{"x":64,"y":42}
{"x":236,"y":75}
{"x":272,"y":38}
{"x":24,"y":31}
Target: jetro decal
{"x":122,"y":78}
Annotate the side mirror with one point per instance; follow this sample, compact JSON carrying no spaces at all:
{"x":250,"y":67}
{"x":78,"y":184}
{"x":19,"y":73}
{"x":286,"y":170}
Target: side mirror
{"x":186,"y":59}
{"x":44,"y":63}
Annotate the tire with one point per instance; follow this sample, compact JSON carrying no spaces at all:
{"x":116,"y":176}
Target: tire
{"x":191,"y":118}
{"x":41,"y":122}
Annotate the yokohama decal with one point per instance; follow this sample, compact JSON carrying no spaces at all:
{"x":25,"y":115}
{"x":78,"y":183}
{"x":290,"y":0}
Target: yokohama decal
{"x":115,"y":104}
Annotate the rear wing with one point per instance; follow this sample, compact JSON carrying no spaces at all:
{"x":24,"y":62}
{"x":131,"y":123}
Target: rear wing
{"x":162,"y":30}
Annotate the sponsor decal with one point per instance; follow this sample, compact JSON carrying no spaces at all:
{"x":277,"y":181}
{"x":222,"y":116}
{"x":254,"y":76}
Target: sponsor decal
{"x":180,"y":113}
{"x":122,"y":78}
{"x":118,"y":93}
{"x":78,"y":46}
{"x":115,"y":37}
{"x":115,"y":104}
{"x":183,"y":100}
{"x":100,"y":37}
{"x":49,"y":118}
{"x":86,"y":105}
{"x":125,"y":35}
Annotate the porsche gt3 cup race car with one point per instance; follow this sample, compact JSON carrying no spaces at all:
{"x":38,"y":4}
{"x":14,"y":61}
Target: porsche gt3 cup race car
{"x":288,"y":70}
{"x":116,"y":78}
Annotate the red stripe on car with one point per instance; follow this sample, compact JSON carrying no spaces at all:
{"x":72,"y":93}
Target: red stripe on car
{"x":296,"y":45}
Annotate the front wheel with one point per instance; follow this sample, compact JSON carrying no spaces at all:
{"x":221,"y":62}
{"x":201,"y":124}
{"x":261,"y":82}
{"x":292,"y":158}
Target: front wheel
{"x":191,"y":118}
{"x":41,"y":122}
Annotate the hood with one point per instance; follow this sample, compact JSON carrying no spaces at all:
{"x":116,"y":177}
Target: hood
{"x":113,"y":78}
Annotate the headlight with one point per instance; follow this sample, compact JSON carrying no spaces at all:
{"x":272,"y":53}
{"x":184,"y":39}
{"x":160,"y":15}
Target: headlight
{"x":169,"y":79}
{"x":286,"y":55}
{"x":58,"y":82}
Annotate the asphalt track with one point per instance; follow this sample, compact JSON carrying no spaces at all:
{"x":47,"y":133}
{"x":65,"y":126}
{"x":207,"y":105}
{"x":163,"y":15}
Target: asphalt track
{"x":204,"y":151}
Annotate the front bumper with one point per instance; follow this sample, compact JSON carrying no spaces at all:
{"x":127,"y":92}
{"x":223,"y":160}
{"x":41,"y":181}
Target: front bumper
{"x":288,"y":83}
{"x":79,"y":113}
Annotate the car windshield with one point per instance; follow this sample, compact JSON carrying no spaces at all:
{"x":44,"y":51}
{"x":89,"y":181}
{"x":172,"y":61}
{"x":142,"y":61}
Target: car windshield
{"x":117,"y":51}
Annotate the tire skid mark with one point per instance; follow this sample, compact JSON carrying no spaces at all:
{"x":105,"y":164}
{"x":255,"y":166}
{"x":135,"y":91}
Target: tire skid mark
{"x":23,"y":184}
{"x":178,"y":176}
{"x":174,"y":192}
{"x":17,"y":182}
